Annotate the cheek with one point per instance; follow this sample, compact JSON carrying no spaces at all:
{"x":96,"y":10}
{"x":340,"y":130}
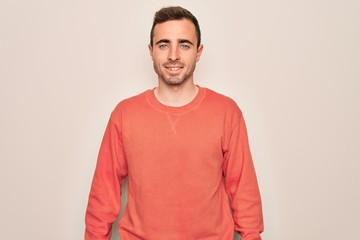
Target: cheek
{"x":157,"y":54}
{"x":156,"y":60}
{"x":192,"y":59}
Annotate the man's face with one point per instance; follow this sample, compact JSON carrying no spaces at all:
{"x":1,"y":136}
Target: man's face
{"x":174,"y":51}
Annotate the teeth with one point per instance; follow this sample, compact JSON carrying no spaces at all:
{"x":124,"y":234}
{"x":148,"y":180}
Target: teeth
{"x":174,"y":68}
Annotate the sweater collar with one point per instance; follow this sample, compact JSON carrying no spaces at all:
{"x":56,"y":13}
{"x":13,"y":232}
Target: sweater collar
{"x":154,"y":102}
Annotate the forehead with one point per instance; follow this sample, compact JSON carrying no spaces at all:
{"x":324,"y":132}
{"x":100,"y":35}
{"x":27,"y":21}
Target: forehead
{"x":175,"y":29}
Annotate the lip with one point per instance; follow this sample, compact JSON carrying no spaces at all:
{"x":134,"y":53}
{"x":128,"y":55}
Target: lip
{"x":173,"y":68}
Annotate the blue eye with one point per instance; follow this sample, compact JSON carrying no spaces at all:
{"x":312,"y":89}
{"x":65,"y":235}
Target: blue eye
{"x":163,"y":46}
{"x":184,"y":47}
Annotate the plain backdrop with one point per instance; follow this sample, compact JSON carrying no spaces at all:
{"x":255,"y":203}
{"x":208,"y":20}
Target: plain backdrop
{"x":293,"y":67}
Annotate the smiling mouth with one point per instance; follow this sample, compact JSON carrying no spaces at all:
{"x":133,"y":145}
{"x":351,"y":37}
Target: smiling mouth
{"x":173,"y":68}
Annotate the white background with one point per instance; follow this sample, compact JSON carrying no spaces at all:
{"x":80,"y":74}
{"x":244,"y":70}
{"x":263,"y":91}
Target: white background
{"x":292,"y":66}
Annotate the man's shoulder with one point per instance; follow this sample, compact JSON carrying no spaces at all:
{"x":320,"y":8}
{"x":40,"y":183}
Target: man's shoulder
{"x":130,"y":104}
{"x":219,"y":99}
{"x":132,"y":101}
{"x":224,"y":106}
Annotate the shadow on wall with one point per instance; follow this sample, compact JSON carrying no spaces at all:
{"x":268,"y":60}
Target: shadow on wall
{"x":115,"y":235}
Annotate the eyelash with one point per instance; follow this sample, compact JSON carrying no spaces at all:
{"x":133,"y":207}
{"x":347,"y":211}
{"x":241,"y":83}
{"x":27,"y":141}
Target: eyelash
{"x":163,"y":46}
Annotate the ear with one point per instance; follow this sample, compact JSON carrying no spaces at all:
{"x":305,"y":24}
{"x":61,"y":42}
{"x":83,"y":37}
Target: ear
{"x":150,"y":50}
{"x":199,"y":52}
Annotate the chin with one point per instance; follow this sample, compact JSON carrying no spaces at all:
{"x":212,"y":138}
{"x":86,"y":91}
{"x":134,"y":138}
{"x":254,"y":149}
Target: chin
{"x":174,"y":81}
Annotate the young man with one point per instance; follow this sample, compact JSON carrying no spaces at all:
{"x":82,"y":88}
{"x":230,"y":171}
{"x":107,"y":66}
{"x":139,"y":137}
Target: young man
{"x":184,"y":149}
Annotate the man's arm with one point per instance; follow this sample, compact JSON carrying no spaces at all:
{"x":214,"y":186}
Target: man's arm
{"x":105,"y":194}
{"x":241,"y":184}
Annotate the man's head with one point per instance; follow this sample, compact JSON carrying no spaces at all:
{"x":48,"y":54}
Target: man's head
{"x":174,"y":13}
{"x":175,"y":45}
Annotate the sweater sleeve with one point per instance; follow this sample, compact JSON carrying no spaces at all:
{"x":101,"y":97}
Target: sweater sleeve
{"x":105,"y":193}
{"x":241,"y":184}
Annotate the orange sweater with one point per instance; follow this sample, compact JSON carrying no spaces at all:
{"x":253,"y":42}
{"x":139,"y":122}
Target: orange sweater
{"x":183,"y":164}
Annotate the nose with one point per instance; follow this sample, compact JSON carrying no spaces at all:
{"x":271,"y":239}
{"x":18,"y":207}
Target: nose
{"x":173,"y":54}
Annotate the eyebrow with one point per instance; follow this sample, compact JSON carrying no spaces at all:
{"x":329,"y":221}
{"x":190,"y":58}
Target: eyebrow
{"x":180,"y":41}
{"x":163,"y":41}
{"x":185,"y":41}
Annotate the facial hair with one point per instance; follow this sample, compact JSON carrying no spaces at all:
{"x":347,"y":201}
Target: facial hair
{"x":176,"y":79}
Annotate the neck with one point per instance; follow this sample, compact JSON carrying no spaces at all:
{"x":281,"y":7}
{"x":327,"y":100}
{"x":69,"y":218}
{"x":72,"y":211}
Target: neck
{"x":176,"y":95}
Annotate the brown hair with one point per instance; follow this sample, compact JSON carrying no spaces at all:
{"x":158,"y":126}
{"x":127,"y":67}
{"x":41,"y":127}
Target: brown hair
{"x":175,"y":13}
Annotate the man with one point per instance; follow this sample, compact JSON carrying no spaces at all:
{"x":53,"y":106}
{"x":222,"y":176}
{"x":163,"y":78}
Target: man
{"x":184,"y":149}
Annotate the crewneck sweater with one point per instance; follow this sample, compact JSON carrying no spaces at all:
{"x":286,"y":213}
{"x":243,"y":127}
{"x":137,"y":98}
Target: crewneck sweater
{"x":189,"y":168}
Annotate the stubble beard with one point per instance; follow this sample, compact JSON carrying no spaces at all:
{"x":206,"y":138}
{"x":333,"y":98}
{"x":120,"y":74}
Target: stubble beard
{"x":174,"y":80}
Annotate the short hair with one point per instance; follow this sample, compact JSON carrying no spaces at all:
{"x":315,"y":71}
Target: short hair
{"x":175,"y":13}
